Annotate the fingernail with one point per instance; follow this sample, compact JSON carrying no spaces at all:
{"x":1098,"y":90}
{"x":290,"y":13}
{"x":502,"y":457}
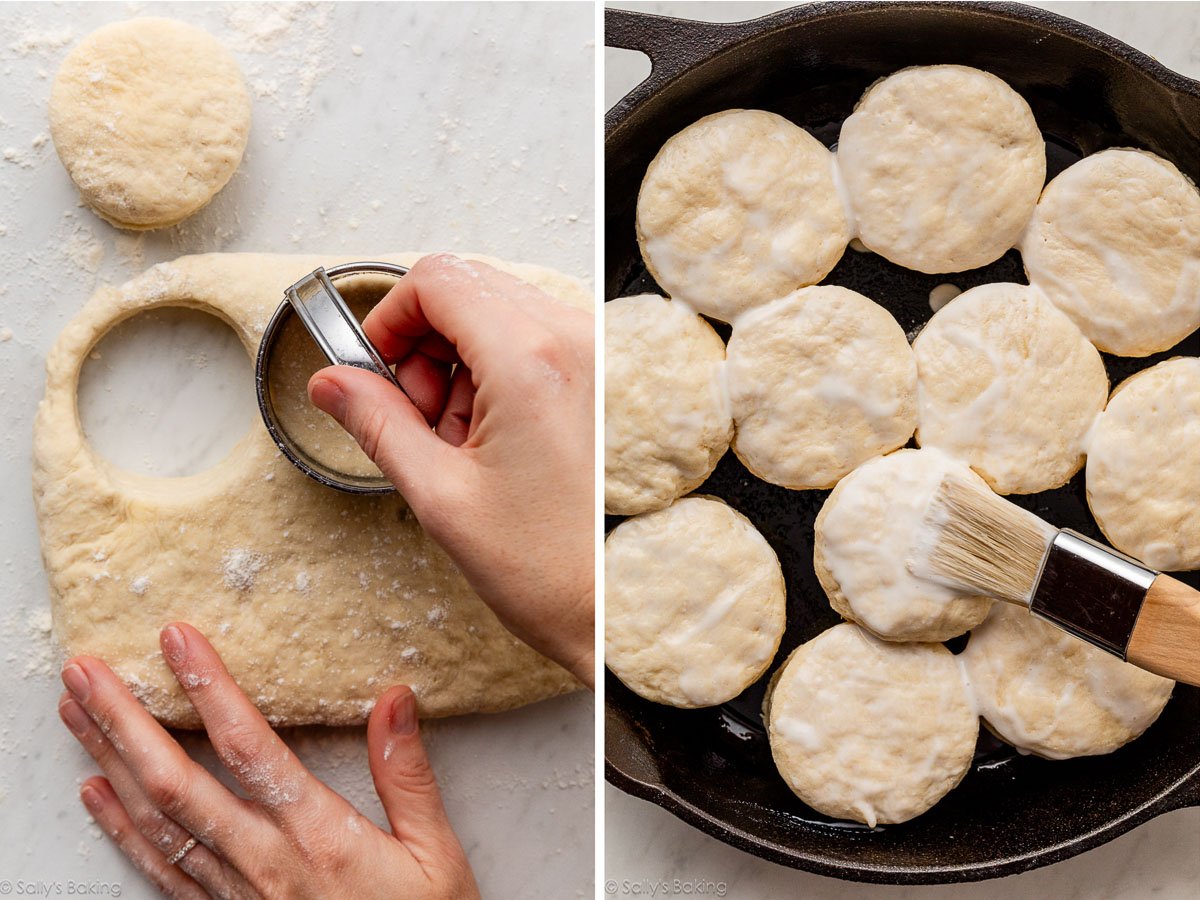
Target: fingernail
{"x":77,"y":682}
{"x":174,"y":644}
{"x":328,"y":397}
{"x":404,"y":714}
{"x":75,"y":717}
{"x":91,"y":798}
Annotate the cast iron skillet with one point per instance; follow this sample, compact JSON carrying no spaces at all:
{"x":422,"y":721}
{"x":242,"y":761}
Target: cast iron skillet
{"x":712,"y":767}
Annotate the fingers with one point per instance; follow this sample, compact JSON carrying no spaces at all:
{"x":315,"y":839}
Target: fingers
{"x":248,"y":747}
{"x":404,"y":779}
{"x":105,"y":807}
{"x":170,"y":779}
{"x":426,"y":381}
{"x":158,"y":829}
{"x":388,"y":427}
{"x":454,"y":423}
{"x":465,"y":302}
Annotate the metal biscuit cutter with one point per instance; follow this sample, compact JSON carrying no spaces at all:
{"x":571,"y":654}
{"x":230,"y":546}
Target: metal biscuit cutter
{"x":324,"y":313}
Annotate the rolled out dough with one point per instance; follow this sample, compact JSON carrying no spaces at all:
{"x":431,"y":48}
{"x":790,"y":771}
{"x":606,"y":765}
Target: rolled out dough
{"x":317,"y":600}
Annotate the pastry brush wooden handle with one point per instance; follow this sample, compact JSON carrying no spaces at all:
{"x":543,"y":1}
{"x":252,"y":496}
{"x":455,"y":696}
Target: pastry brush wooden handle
{"x":1166,"y":635}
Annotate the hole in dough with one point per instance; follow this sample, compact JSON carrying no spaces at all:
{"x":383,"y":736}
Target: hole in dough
{"x":168,"y":392}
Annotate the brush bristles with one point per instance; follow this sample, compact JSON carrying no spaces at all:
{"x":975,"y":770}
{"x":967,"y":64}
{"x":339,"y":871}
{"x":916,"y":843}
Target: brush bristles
{"x":978,"y":542}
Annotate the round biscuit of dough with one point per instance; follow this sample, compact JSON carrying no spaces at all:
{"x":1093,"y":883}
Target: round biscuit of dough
{"x":739,"y":208}
{"x":1052,"y":694}
{"x":694,"y":603}
{"x":1007,"y":383}
{"x":863,"y":538}
{"x":1115,"y":244}
{"x":150,"y":117}
{"x":1143,"y":469}
{"x":942,"y":166}
{"x":666,"y":419}
{"x":868,"y":730}
{"x":819,"y":381}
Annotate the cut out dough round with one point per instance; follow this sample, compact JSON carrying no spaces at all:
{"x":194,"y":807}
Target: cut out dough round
{"x":1052,"y":694}
{"x":863,"y":540}
{"x":942,"y":166}
{"x":738,"y":209}
{"x":1115,"y":244}
{"x":868,"y":730}
{"x":819,"y":382}
{"x":150,"y":118}
{"x":1143,"y":470}
{"x":317,"y":600}
{"x":666,"y":417}
{"x":1009,"y":384}
{"x":694,"y":603}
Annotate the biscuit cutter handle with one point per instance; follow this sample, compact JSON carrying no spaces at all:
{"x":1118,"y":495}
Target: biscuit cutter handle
{"x":328,"y":319}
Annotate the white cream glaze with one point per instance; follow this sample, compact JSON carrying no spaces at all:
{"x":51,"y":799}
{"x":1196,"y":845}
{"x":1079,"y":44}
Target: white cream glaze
{"x":667,"y":420}
{"x":1051,"y":694}
{"x":806,"y":409}
{"x":864,"y":537}
{"x":694,"y":603}
{"x":739,"y":208}
{"x":1143,"y":470}
{"x":942,"y":166}
{"x":918,"y":743}
{"x":1115,"y":243}
{"x":1008,"y":383}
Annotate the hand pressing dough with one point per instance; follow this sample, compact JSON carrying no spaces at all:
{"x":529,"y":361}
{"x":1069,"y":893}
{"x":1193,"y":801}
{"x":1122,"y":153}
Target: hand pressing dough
{"x":317,"y":600}
{"x":150,"y":117}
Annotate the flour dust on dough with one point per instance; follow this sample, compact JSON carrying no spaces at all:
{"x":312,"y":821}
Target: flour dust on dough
{"x":150,"y":117}
{"x":317,"y":600}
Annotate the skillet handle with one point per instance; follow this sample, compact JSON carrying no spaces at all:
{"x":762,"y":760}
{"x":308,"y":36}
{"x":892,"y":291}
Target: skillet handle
{"x":673,"y":45}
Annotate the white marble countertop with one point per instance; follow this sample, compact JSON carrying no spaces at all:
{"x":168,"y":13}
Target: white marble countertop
{"x":1160,"y":859}
{"x":376,"y":127}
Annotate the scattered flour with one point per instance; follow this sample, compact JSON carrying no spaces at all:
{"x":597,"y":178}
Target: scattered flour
{"x":140,"y":585}
{"x":241,"y":567}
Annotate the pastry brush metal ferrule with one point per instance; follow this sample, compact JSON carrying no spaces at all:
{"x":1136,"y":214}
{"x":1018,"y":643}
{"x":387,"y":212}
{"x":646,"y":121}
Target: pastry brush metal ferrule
{"x":976,"y":541}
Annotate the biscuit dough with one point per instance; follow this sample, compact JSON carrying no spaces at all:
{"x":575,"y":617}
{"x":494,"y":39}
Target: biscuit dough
{"x":1115,"y":244}
{"x":150,"y":118}
{"x":1143,"y":469}
{"x":740,"y":208}
{"x":942,"y":166}
{"x":1052,"y":694}
{"x":1008,"y":383}
{"x":694,"y":603}
{"x":666,"y":416}
{"x":819,"y":382}
{"x":867,"y":730}
{"x":863,"y":541}
{"x":317,"y":600}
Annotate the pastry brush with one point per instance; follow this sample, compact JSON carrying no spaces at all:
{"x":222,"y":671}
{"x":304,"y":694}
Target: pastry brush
{"x":973,"y":540}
